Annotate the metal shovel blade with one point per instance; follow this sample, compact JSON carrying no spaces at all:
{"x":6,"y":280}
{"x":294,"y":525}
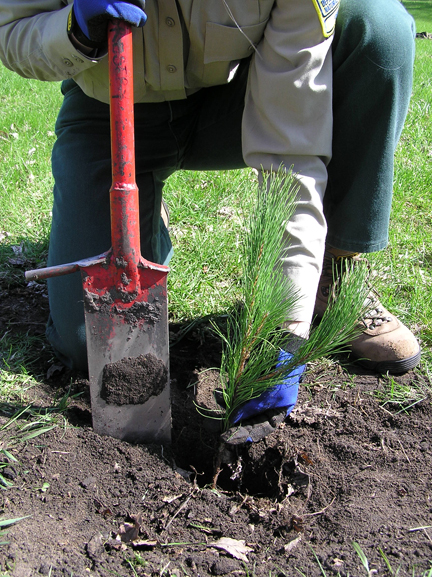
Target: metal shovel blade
{"x":127,"y":347}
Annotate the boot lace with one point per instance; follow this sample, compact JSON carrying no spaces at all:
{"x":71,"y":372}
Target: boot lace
{"x":374,"y":314}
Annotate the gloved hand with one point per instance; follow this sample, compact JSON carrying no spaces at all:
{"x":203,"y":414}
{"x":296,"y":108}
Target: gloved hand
{"x":92,"y":16}
{"x":261,"y":416}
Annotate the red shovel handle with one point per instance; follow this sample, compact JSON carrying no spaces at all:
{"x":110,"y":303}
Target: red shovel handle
{"x":125,"y":231}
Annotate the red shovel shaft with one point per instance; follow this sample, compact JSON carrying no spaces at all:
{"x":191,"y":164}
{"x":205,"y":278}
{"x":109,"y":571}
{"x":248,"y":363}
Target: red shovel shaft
{"x":125,"y":231}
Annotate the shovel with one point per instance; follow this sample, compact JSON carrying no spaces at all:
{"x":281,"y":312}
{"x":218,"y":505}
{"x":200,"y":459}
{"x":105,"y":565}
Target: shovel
{"x":125,"y":296}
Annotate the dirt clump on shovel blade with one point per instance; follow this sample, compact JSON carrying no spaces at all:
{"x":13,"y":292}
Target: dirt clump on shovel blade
{"x":133,"y":380}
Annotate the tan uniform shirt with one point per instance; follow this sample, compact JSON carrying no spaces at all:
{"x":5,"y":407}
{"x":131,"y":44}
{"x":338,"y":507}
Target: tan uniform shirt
{"x":288,"y":108}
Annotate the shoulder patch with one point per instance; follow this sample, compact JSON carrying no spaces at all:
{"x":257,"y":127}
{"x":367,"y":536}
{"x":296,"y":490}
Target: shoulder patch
{"x":327,"y":11}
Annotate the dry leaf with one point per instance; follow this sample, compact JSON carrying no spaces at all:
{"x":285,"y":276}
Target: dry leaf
{"x":128,"y":532}
{"x":170,"y":499}
{"x":292,"y":544}
{"x":54,"y":369}
{"x":144,"y":544}
{"x":117,"y":544}
{"x":311,"y":415}
{"x":237,"y":549}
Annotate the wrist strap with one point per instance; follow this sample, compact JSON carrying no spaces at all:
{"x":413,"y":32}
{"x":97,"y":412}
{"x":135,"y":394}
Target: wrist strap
{"x":75,"y":32}
{"x":293,"y":343}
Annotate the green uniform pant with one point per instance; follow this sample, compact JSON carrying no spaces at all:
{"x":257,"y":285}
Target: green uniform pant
{"x":373,"y":54}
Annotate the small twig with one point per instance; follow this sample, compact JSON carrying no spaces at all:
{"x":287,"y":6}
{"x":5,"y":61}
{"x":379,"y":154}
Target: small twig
{"x":420,"y":528}
{"x":282,"y":463}
{"x":322,"y":510}
{"x":218,"y":464}
{"x":238,"y":507}
{"x":216,"y":476}
{"x":182,"y":506}
{"x":385,"y":410}
{"x":403,"y":451}
{"x":427,"y":535}
{"x":195,"y":484}
{"x":357,"y":399}
{"x":162,"y":571}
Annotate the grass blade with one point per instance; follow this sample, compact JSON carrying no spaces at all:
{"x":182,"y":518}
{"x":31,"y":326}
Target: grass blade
{"x":7,"y":522}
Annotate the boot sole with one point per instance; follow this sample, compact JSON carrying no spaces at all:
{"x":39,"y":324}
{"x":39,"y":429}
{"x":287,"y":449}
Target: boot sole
{"x":392,"y":367}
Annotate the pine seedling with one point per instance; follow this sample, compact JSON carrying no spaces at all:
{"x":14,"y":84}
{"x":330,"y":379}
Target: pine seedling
{"x":251,"y":342}
{"x":254,"y":334}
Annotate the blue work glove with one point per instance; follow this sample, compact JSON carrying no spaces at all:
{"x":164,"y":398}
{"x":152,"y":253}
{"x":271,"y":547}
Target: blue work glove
{"x":92,"y":16}
{"x":261,"y":416}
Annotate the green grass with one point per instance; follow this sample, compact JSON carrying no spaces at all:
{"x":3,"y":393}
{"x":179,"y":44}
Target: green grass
{"x":27,"y":122}
{"x":390,"y":572}
{"x":421,"y":12}
{"x":5,"y":524}
{"x":207,"y":211}
{"x":400,"y":396}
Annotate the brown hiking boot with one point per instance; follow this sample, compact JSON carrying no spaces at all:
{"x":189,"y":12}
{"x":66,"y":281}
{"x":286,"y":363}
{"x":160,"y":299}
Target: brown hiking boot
{"x":385,"y":345}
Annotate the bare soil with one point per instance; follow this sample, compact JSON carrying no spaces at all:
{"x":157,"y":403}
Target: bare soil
{"x":342,"y":469}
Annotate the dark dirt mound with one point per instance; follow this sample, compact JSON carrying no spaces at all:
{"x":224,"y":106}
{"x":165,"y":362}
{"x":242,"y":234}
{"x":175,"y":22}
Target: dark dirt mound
{"x":343,"y":469}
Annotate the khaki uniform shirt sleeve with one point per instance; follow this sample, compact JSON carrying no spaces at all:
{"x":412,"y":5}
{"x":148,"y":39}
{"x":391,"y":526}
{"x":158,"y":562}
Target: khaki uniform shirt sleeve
{"x":289,"y":98}
{"x":34,"y":41}
{"x":288,"y":121}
